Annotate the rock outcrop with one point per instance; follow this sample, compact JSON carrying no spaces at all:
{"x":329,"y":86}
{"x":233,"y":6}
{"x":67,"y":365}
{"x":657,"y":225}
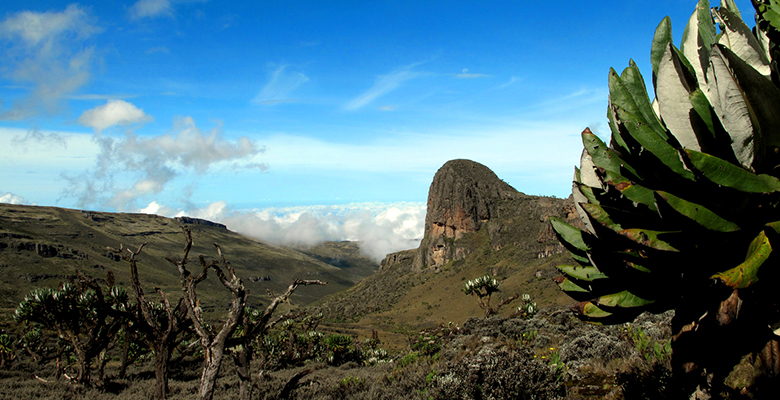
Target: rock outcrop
{"x":463,"y":196}
{"x":466,"y":197}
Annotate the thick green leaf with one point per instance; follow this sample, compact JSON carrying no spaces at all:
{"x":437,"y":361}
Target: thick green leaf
{"x":698,"y":213}
{"x":738,"y":37}
{"x":631,"y":95}
{"x":604,"y":157}
{"x":624,"y":299}
{"x":662,"y":37}
{"x":570,"y":287}
{"x":775,"y":226}
{"x":618,"y":142}
{"x":727,"y":174}
{"x":577,"y":253}
{"x":646,"y":237}
{"x":569,"y":234}
{"x":635,"y":84}
{"x":746,"y":274}
{"x":654,"y":143}
{"x":588,"y":274}
{"x":639,"y":194}
{"x":591,"y":310}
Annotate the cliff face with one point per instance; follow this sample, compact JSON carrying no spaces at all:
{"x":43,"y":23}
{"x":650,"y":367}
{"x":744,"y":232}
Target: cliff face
{"x":464,"y":198}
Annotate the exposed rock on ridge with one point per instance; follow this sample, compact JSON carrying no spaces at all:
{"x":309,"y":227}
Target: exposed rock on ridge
{"x":463,"y":196}
{"x":466,"y":196}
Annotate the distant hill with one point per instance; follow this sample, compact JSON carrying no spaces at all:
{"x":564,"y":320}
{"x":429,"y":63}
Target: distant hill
{"x":43,"y":246}
{"x":475,"y":224}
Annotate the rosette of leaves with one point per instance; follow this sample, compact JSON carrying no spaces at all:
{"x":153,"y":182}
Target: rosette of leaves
{"x":483,"y":288}
{"x":484,"y":285}
{"x":681,"y":210}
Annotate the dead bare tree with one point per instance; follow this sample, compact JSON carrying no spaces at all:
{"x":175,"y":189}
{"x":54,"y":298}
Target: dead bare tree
{"x":213,"y":341}
{"x":160,"y":324}
{"x":254,"y":327}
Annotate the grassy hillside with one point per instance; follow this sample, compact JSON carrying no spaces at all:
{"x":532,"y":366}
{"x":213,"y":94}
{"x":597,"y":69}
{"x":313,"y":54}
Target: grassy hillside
{"x":43,"y":246}
{"x":517,"y":248}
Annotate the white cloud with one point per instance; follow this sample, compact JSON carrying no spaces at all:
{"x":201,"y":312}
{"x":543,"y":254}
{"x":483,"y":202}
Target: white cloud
{"x":151,"y":163}
{"x":381,"y":228}
{"x":46,"y":51}
{"x":10,"y":198}
{"x":47,"y":27}
{"x":279,"y":87}
{"x":114,"y":112}
{"x":151,"y":9}
{"x":383,"y":85}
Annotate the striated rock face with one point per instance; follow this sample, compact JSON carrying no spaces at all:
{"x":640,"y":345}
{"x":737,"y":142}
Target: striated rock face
{"x":463,"y":196}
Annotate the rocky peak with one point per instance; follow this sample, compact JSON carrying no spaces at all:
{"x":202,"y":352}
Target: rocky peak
{"x":463,"y":196}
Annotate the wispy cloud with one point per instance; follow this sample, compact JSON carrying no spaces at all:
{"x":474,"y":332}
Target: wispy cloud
{"x":155,"y":161}
{"x":511,"y":81}
{"x":150,"y":9}
{"x":114,"y":112}
{"x":467,"y":75}
{"x":45,"y":50}
{"x":36,"y":137}
{"x":383,"y":85}
{"x":279,"y":86}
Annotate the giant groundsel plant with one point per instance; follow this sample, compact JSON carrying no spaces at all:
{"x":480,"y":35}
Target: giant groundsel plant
{"x":682,"y":209}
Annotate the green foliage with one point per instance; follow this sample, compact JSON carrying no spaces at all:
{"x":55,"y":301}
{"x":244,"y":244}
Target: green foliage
{"x":408,"y":359}
{"x":528,"y":309}
{"x":83,"y":315}
{"x":652,"y":350}
{"x":682,"y":182}
{"x":682,"y":209}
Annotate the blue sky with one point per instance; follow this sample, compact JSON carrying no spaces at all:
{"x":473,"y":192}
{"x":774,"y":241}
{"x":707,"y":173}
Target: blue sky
{"x":340,"y":110}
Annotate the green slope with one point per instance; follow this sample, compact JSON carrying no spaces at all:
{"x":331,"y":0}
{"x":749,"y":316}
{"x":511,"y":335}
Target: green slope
{"x":43,"y":246}
{"x":518,"y":248}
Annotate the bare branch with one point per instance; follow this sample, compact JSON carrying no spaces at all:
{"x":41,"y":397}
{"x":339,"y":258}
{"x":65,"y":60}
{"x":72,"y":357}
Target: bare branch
{"x":263,"y":322}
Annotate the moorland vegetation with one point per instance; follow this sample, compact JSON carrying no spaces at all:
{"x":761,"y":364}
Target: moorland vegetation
{"x":672,"y":227}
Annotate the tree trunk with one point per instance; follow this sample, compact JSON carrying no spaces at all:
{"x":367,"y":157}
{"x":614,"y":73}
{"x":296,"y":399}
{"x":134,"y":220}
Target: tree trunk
{"x":124,"y":357}
{"x":162,"y":358}
{"x":102,"y":359}
{"x":83,"y":377}
{"x":213,"y":361}
{"x":242,"y":361}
